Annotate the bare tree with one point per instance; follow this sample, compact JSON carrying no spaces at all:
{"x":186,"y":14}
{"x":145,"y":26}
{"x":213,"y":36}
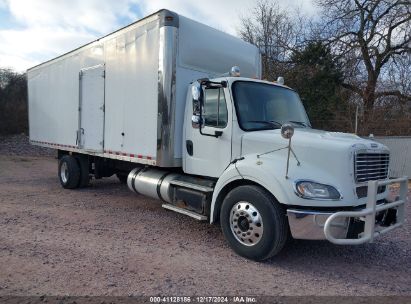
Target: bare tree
{"x":274,"y":32}
{"x":368,"y":35}
{"x":398,"y":74}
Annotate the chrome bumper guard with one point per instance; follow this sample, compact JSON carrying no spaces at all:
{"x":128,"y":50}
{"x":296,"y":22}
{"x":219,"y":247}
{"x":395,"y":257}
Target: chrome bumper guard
{"x":334,"y":227}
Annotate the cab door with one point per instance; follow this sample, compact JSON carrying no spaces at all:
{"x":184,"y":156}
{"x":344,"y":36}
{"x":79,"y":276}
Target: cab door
{"x":206,"y":154}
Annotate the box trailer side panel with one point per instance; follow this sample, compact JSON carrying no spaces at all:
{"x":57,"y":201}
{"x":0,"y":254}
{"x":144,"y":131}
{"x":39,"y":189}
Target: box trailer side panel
{"x":131,"y":87}
{"x":54,"y":99}
{"x":64,"y":111}
{"x":131,"y":108}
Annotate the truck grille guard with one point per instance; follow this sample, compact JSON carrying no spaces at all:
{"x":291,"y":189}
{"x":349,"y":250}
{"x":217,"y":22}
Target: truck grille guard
{"x":368,"y":214}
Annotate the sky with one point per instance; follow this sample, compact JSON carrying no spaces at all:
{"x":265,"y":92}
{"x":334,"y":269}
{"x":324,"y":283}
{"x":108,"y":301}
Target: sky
{"x":33,"y":31}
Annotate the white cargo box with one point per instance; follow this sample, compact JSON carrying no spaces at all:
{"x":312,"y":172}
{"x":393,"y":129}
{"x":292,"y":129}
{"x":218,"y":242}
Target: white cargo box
{"x":122,"y":96}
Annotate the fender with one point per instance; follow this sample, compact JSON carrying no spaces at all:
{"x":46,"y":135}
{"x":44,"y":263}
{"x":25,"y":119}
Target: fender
{"x":251,"y":170}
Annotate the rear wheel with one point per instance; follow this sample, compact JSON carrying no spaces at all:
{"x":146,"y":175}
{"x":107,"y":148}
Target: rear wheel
{"x":69,"y":172}
{"x":253,"y":223}
{"x":84,"y":170}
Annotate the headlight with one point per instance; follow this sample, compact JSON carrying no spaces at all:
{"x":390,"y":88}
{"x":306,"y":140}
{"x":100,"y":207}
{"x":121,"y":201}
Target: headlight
{"x":312,"y":190}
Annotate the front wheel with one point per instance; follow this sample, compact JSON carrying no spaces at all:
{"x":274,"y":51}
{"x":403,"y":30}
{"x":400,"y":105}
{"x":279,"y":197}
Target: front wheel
{"x":253,"y":223}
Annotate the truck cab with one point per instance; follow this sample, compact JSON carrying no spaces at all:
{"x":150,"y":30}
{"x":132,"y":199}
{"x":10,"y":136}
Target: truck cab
{"x":235,"y":130}
{"x":238,"y":109}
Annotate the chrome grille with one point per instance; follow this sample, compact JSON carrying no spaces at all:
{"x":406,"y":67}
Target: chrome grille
{"x":371,"y":166}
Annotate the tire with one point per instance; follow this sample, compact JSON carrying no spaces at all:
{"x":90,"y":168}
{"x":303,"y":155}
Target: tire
{"x":259,"y":228}
{"x":84,"y":170}
{"x":69,"y":172}
{"x":122,"y":177}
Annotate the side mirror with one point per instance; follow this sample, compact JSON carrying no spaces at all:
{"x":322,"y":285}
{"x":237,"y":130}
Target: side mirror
{"x":196,"y":91}
{"x":287,"y":131}
{"x":197,"y":121}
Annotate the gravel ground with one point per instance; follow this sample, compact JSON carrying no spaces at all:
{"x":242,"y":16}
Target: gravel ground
{"x":105,"y":240}
{"x":19,"y":145}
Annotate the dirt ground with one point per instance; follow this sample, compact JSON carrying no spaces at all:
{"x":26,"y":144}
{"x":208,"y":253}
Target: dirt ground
{"x":106,"y":240}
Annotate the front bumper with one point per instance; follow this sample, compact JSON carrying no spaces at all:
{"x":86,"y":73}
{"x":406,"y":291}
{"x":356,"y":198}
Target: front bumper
{"x":352,"y":227}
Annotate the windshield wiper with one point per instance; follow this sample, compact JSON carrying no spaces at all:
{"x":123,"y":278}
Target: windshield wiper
{"x":301,"y":123}
{"x":268,"y":122}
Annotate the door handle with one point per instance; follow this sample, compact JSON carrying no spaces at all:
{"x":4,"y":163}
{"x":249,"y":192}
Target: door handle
{"x":78,"y":136}
{"x":189,"y":147}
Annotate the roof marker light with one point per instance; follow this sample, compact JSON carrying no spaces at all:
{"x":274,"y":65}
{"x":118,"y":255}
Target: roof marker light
{"x":235,"y":71}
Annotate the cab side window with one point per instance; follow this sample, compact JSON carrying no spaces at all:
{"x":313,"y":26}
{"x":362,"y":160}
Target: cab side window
{"x":215,"y":108}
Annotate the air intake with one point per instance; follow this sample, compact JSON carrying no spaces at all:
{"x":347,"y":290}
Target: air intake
{"x":371,"y":166}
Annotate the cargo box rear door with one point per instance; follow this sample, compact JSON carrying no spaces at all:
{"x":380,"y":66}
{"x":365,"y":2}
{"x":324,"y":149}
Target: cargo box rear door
{"x":91,"y":125}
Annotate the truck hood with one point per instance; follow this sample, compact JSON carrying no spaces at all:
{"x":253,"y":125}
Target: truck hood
{"x":323,"y":157}
{"x":305,"y":139}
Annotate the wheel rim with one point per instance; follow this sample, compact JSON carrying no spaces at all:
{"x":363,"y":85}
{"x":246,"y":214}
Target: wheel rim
{"x":64,"y":172}
{"x":246,"y":223}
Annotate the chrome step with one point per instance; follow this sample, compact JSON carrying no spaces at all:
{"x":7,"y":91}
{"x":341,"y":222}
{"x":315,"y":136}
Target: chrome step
{"x":192,"y":214}
{"x":188,"y":185}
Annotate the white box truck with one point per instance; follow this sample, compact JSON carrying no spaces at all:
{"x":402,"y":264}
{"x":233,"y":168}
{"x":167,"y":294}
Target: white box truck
{"x":155,"y":104}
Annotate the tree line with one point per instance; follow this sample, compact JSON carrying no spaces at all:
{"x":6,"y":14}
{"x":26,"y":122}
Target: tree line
{"x":352,"y":60}
{"x":13,"y":102}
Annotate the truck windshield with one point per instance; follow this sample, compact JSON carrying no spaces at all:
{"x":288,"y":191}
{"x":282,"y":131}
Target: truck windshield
{"x":263,"y":106}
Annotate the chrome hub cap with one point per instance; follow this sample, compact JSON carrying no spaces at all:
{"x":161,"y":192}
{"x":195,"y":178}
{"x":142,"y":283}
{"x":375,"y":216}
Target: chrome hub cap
{"x":246,"y":223}
{"x":64,"y":172}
